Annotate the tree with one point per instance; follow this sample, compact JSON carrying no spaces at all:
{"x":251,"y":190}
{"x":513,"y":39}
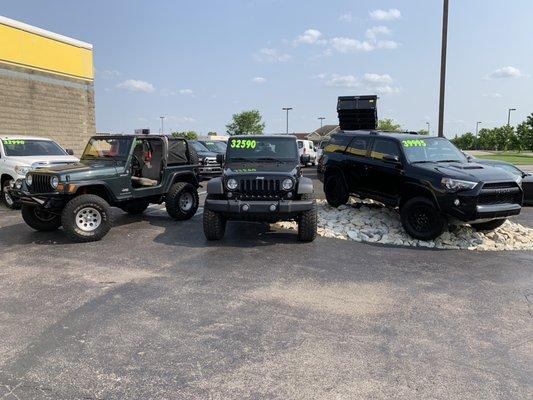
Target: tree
{"x":524,"y":134}
{"x":212,"y":133}
{"x":388,"y":125}
{"x":465,"y":142}
{"x":189,"y":135}
{"x":246,"y":123}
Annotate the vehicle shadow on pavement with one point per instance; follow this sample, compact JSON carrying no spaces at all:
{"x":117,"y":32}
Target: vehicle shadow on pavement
{"x":20,"y":234}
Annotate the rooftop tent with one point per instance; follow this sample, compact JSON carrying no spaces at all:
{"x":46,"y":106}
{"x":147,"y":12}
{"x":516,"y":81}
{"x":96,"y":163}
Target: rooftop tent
{"x":357,"y":112}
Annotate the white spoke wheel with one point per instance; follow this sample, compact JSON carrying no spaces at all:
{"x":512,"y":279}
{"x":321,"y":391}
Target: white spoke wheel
{"x":186,"y":201}
{"x":88,"y":219}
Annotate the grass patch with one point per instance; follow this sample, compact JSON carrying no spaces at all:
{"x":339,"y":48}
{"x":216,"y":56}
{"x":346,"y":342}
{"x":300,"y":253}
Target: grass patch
{"x":513,"y":158}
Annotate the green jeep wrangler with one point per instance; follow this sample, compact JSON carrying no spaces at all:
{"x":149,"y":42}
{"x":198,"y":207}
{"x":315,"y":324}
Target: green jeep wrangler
{"x":129,"y":172}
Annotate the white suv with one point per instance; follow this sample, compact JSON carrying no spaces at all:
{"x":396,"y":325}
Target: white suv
{"x":307,"y":147}
{"x":20,"y":154}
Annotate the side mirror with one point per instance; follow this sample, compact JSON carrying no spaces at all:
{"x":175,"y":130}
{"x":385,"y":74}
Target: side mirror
{"x":305,"y":159}
{"x":392,"y":159}
{"x":70,"y":152}
{"x":221,"y":158}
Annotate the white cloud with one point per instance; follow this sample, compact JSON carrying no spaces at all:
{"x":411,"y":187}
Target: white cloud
{"x":386,"y":15}
{"x":310,"y":36}
{"x":387,"y":89}
{"x":493,"y":95}
{"x":136,"y":86}
{"x":186,"y":91}
{"x":346,"y":17}
{"x":107,"y":74}
{"x":178,"y":120}
{"x":377,"y":78}
{"x":387,"y":44}
{"x":505,"y":72}
{"x":371,"y":33}
{"x":345,"y":81}
{"x":272,"y":55}
{"x":259,"y":79}
{"x":348,"y":45}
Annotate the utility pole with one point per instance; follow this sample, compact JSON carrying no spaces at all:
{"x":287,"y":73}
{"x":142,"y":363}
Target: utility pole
{"x":321,"y":120}
{"x":162,"y":131}
{"x":287,"y":109}
{"x":477,"y":127}
{"x":443,"y":66}
{"x":509,"y":116}
{"x":429,"y":131}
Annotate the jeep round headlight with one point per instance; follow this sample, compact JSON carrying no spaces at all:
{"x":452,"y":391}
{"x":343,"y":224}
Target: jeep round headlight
{"x":287,"y":184}
{"x":231,"y":184}
{"x":54,"y":181}
{"x":29,"y":179}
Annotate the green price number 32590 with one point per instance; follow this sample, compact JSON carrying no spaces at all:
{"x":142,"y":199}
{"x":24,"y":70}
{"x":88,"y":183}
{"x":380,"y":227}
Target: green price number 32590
{"x":243,"y":144}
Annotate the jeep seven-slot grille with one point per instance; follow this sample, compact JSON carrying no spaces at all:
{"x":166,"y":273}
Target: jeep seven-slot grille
{"x":260,"y":188}
{"x":500,"y":193}
{"x":41,"y":184}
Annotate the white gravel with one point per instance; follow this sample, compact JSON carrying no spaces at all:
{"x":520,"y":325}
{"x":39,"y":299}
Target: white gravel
{"x":368,"y":221}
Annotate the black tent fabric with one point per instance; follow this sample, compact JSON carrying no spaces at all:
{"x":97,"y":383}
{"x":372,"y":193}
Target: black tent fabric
{"x":177,"y":152}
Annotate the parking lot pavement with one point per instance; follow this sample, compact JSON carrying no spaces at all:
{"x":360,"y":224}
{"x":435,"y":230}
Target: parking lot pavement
{"x":154,"y":311}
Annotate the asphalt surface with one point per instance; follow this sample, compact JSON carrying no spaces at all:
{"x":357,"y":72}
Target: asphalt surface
{"x":153,"y":311}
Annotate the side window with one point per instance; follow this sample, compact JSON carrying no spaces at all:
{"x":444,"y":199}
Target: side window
{"x":337,"y":144}
{"x":384,"y":147}
{"x":300,"y":144}
{"x":358,"y":147}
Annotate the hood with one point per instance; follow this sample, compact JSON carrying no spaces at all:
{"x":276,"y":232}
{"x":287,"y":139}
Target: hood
{"x":83,"y":170}
{"x":204,"y":154}
{"x":269,"y":168}
{"x":468,"y":171}
{"x":43,"y":161}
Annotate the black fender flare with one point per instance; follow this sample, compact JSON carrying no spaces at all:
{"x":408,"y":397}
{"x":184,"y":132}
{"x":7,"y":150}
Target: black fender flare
{"x":178,"y":176}
{"x":412,"y":189}
{"x":215,"y":186}
{"x":335,"y":170}
{"x":81,"y":185}
{"x":305,"y":186}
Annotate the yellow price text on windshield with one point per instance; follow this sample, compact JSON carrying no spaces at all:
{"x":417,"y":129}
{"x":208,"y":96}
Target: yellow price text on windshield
{"x":10,"y":142}
{"x":414,"y":143}
{"x":243,"y":144}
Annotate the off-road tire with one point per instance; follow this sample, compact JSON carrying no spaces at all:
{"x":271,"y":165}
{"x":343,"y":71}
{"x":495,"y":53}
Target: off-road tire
{"x":489,"y":225}
{"x":214,"y":225}
{"x":13,"y":205}
{"x":136,"y":207}
{"x":307,"y":222}
{"x":421,"y":219}
{"x":336,"y":190}
{"x":178,"y":210}
{"x":78,"y":204}
{"x":39,"y":219}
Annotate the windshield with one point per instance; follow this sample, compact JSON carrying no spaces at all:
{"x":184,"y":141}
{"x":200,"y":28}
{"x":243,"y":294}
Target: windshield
{"x":258,"y":148}
{"x":431,"y":150}
{"x":217,"y":147}
{"x":29,"y":148}
{"x":108,"y":148}
{"x":199,"y":146}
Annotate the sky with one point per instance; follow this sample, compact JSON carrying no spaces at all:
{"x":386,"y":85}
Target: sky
{"x":199,"y":62}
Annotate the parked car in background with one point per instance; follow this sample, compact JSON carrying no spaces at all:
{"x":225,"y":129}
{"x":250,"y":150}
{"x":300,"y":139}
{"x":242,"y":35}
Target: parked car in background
{"x":216,"y":146}
{"x":20,"y":154}
{"x":320,"y":148}
{"x":525,"y":177}
{"x":307,"y":147}
{"x":209,"y":167}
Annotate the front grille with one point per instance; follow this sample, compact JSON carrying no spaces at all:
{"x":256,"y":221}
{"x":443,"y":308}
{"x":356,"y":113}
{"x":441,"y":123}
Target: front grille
{"x":260,"y":188}
{"x":500,"y":193}
{"x":41,"y":184}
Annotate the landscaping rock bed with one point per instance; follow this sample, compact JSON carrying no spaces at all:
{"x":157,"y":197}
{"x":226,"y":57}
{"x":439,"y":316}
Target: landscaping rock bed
{"x":369,"y":221}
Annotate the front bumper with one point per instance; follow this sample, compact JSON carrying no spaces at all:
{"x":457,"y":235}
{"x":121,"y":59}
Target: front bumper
{"x":263,"y":207}
{"x":49,"y":201}
{"x":210,"y":171}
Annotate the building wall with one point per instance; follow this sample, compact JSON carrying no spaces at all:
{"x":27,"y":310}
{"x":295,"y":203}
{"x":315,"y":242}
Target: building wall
{"x":46,"y":85}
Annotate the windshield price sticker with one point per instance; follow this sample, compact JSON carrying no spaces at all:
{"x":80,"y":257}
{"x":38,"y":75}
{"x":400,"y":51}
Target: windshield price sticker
{"x":243,"y":144}
{"x":15,"y":142}
{"x":414,"y":143}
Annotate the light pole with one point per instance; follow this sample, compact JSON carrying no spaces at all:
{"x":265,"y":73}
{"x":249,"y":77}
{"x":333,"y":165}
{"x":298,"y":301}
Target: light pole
{"x":429,"y":132}
{"x":477,"y":127}
{"x":509,"y":116}
{"x":321,"y":121}
{"x":287,"y":109}
{"x":443,"y":66}
{"x":162,"y":131}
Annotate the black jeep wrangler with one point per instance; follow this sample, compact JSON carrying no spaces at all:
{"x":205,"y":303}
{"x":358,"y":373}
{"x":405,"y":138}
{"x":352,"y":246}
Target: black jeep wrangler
{"x":129,"y":172}
{"x":261,"y":181}
{"x":428,"y":178}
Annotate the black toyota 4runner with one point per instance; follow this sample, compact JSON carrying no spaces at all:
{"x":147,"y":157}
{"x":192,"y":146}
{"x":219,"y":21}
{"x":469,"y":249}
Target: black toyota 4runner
{"x":261,"y":181}
{"x":128,"y":172}
{"x":428,"y":178}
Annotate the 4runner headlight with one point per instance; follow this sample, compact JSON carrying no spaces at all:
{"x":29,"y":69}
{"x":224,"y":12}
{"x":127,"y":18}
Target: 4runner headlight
{"x":287,"y":184}
{"x":29,"y":179}
{"x":22,"y":170}
{"x":456,"y":184}
{"x":231,"y":184}
{"x":54,"y":181}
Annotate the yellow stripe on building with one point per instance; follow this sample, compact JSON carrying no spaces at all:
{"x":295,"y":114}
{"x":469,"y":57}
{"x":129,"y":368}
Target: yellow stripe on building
{"x":45,"y":52}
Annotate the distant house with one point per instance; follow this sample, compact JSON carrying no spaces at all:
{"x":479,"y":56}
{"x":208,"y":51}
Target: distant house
{"x":323,"y":133}
{"x":302,"y":135}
